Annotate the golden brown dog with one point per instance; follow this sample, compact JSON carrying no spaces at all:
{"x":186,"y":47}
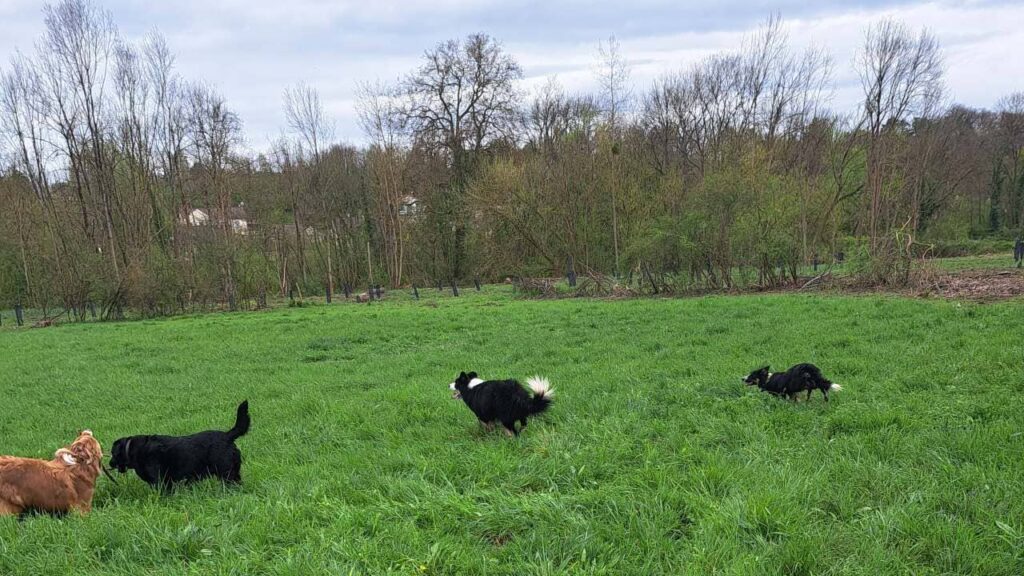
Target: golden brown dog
{"x":60,"y":485}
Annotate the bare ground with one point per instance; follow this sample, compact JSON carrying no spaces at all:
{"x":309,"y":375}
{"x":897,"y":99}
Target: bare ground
{"x":978,"y":285}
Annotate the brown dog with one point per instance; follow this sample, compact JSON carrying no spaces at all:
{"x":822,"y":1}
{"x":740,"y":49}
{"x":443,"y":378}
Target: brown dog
{"x":54,"y":486}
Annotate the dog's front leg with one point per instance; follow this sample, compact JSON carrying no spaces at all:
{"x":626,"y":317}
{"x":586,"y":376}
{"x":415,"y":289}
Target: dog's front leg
{"x":9,"y":509}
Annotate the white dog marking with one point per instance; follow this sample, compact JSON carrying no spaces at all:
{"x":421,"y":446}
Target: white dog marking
{"x":540,"y":386}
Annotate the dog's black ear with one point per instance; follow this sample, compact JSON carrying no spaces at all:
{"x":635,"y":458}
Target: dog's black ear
{"x":471,"y":375}
{"x":462,"y":375}
{"x":117,"y":456}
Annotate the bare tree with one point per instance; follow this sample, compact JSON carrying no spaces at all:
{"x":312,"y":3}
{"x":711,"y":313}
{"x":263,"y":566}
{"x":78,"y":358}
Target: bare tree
{"x":313,"y":131}
{"x":463,"y":97}
{"x":305,"y":114}
{"x":23,"y":117}
{"x":381,"y":120}
{"x":1011,"y":151}
{"x":613,"y":76}
{"x":901,"y":77}
{"x":553,"y":114}
{"x":76,"y":51}
{"x":781,"y":91}
{"x":213,"y":132}
{"x":134,"y":131}
{"x":170,"y":125}
{"x":460,"y":101}
{"x":613,"y":72}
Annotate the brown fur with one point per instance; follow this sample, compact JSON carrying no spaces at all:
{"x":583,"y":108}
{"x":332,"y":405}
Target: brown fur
{"x":52,"y":486}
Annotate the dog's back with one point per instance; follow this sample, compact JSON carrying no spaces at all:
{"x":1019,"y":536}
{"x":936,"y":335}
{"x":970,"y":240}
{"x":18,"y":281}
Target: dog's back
{"x":806,"y":377}
{"x":57,"y":486}
{"x":192,"y":457}
{"x":494,"y":399}
{"x":28,"y":483}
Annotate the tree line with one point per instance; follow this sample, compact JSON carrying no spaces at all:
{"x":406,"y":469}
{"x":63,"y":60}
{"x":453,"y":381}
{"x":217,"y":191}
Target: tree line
{"x":125,"y":187}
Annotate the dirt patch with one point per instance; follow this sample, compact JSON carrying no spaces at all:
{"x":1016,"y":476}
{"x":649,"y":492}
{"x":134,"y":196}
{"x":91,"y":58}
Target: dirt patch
{"x":979,"y":285}
{"x":984,"y":285}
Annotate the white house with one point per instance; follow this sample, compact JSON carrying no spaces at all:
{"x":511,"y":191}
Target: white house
{"x":198,"y":217}
{"x":237,"y":218}
{"x":410,"y":206}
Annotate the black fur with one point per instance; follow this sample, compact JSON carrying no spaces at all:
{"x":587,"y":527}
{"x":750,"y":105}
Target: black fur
{"x":164,"y":461}
{"x":505,"y":401}
{"x":799,"y":378}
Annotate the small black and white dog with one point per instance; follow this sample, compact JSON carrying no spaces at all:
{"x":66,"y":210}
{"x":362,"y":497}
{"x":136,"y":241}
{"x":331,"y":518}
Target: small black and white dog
{"x":164,"y":461}
{"x":799,"y":378}
{"x":504,"y":401}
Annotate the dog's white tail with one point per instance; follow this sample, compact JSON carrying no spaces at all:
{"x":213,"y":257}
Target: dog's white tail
{"x":540,"y":386}
{"x":835,"y":387}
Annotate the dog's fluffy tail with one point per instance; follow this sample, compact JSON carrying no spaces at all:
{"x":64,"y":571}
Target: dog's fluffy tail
{"x":833,"y":387}
{"x":241,"y":422}
{"x":542,"y":394}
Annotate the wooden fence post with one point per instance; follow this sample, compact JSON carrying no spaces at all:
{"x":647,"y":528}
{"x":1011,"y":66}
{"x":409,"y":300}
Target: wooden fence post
{"x":650,"y":278}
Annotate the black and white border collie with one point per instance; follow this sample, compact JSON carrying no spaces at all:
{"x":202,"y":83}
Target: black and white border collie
{"x":799,"y":378}
{"x":504,"y":401}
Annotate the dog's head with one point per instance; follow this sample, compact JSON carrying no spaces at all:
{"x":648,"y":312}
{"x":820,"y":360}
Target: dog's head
{"x":462,"y":383}
{"x":85,"y":452}
{"x":119,"y":454}
{"x":758,"y":377}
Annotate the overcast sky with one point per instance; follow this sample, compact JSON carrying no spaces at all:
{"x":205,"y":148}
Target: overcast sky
{"x":251,"y":50}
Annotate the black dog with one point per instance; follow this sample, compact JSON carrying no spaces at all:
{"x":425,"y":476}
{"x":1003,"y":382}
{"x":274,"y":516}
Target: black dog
{"x":504,"y":401}
{"x":799,"y":378}
{"x":166,"y":460}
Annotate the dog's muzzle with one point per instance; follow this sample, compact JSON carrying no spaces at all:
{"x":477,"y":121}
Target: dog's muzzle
{"x":455,"y":393}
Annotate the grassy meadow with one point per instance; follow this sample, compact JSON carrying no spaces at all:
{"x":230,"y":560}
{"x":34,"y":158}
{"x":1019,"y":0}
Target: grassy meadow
{"x":655,"y":459}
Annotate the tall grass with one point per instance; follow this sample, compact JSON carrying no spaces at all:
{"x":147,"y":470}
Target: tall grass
{"x":655,"y":459}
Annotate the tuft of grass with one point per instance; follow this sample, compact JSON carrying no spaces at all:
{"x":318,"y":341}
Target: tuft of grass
{"x":655,"y":459}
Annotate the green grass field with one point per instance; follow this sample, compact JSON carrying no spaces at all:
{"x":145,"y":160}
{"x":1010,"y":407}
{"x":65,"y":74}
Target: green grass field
{"x":655,"y":459}
{"x":1003,"y":261}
